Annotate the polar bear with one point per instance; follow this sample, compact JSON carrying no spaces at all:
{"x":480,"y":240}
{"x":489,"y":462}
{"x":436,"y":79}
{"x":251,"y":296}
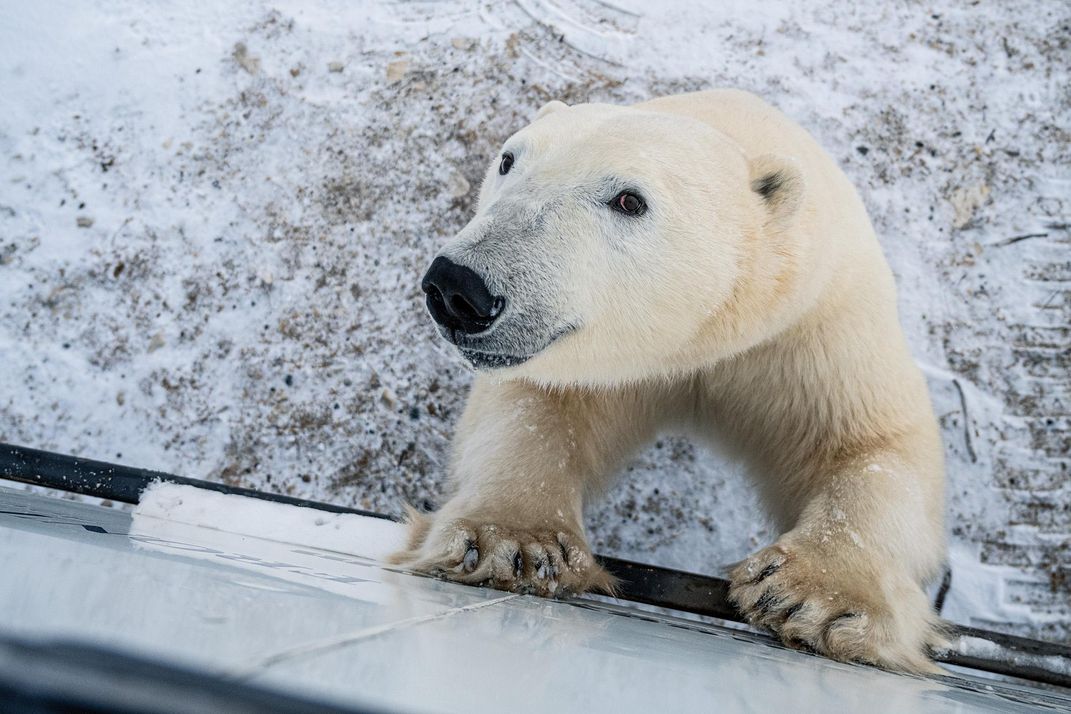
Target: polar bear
{"x":697,"y":262}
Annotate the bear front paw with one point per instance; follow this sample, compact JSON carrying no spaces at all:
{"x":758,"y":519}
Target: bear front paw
{"x":547,"y":562}
{"x":839,"y":610}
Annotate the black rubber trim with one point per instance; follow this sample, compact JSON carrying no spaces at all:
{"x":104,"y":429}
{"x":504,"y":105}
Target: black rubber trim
{"x":122,"y":483}
{"x":647,"y":584}
{"x":52,"y":676}
{"x":674,"y":589}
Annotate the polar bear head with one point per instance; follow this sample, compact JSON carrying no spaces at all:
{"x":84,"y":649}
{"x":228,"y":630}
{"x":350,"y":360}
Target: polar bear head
{"x":611,"y":244}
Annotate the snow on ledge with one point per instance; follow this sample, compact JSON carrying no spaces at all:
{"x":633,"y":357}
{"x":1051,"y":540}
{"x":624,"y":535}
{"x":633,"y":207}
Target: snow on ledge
{"x":978,"y":647}
{"x":349,"y":533}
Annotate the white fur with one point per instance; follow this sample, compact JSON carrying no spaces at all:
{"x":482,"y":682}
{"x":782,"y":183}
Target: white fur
{"x":767,"y":323}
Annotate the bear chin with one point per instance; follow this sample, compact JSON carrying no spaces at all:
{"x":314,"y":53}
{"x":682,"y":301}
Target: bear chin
{"x":484,"y":360}
{"x":497,"y":360}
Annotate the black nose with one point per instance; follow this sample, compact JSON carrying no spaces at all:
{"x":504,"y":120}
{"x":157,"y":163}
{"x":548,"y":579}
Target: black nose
{"x":458,"y":298}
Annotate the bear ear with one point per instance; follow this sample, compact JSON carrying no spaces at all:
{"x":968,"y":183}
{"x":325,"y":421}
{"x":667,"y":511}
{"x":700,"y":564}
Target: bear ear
{"x":551,"y":106}
{"x":778,"y":182}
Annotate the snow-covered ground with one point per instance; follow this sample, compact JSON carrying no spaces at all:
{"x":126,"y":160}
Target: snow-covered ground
{"x":214,"y":217}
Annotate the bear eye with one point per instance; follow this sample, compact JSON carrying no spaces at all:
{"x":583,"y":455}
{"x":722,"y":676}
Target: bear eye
{"x":629,"y":203}
{"x":506,"y":165}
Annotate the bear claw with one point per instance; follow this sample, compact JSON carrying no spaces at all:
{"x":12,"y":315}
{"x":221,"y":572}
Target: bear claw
{"x":799,"y":595}
{"x":550,"y":563}
{"x":472,"y":556}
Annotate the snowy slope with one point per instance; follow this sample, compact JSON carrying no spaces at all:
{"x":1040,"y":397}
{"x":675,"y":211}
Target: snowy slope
{"x":213,"y":220}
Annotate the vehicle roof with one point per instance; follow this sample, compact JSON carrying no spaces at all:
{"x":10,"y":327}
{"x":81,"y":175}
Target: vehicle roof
{"x":344,"y":629}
